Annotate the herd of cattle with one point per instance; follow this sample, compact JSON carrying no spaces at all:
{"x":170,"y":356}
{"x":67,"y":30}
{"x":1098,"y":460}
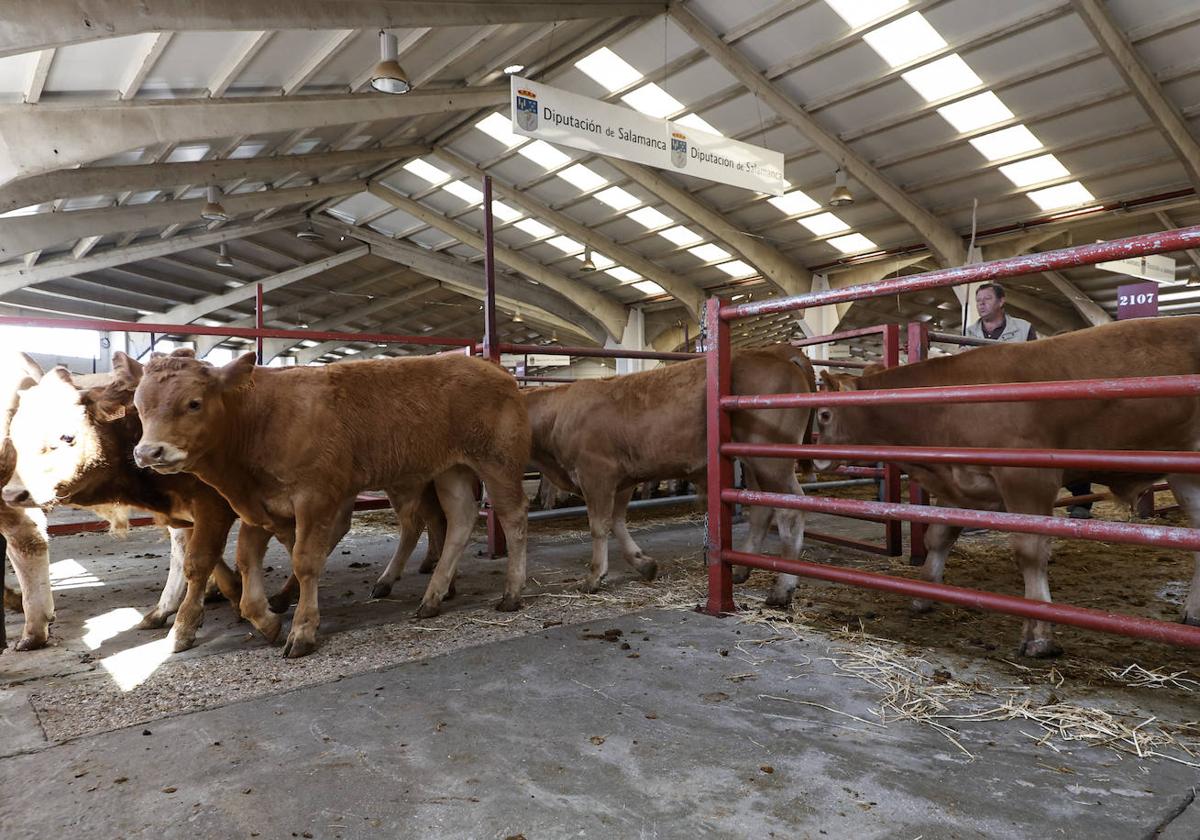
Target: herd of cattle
{"x":287,"y":451}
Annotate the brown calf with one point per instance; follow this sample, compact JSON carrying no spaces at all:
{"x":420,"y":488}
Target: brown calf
{"x":1145,"y":347}
{"x":291,"y":448}
{"x":603,"y":437}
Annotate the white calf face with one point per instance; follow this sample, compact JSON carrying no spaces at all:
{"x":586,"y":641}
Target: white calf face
{"x":55,"y":439}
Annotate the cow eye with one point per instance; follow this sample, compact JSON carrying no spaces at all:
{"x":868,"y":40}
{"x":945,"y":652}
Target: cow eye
{"x":69,"y":440}
{"x":193,"y":405}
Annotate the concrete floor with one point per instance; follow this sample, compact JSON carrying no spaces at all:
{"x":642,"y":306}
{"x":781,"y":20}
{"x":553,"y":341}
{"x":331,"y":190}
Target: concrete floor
{"x":480,"y":726}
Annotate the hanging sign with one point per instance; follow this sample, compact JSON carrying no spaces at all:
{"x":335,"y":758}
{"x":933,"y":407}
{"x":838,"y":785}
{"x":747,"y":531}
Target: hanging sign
{"x":568,"y":119}
{"x":1138,"y":300}
{"x":1154,"y":267}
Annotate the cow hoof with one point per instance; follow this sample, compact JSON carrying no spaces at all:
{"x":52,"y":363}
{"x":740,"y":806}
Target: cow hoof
{"x":212,"y":595}
{"x":779,"y":600}
{"x":920,"y":605}
{"x":29,"y":643}
{"x":295,"y":648}
{"x":1193,"y":620}
{"x":427,"y":610}
{"x":648,"y":570}
{"x":381,"y":590}
{"x":741,"y":574}
{"x":509,"y":604}
{"x":280,"y":602}
{"x":269,"y":627}
{"x":154,"y":620}
{"x":182,"y":642}
{"x":589,"y":586}
{"x":427,"y":567}
{"x":1040,"y":649}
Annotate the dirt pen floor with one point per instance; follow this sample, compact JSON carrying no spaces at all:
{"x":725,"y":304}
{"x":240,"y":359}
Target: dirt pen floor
{"x":621,"y":714}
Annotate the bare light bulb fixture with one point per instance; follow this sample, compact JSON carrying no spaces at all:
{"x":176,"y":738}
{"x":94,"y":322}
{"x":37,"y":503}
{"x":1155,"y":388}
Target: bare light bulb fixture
{"x":517,"y":319}
{"x":213,"y":211}
{"x":841,"y":195}
{"x":589,"y":264}
{"x":514,"y":68}
{"x":308,"y":234}
{"x":223,"y":260}
{"x":388,"y":76}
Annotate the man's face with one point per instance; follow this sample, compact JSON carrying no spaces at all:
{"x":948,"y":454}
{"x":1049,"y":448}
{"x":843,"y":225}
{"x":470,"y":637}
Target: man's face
{"x":988,"y":304}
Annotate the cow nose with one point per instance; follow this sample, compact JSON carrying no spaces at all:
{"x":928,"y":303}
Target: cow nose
{"x":148,"y":453}
{"x":16,"y":495}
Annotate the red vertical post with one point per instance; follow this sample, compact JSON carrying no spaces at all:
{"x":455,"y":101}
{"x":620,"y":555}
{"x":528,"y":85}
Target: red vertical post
{"x":918,"y":350}
{"x":497,"y":546}
{"x":893,"y":529}
{"x":720,"y":467}
{"x":258,"y":318}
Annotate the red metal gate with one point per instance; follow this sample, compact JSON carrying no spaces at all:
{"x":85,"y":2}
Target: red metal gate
{"x":722,"y":495}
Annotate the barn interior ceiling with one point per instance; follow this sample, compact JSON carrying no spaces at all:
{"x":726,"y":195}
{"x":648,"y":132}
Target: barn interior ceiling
{"x":1035,"y":123}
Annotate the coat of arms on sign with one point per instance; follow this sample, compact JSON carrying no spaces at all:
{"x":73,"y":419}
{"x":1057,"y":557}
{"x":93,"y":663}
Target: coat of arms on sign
{"x":527,"y":110}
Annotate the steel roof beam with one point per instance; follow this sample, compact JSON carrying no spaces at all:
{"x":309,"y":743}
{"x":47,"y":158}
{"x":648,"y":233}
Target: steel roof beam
{"x":86,"y":131}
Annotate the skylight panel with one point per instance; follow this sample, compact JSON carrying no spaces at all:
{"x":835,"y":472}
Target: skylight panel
{"x":976,"y":112}
{"x":1065,"y":195}
{"x":565,"y":244}
{"x":653,"y":101}
{"x":648,"y":217}
{"x":852,"y":243}
{"x":824,"y":224}
{"x":499,"y":127}
{"x":944,"y":77}
{"x":1006,"y":142}
{"x":534,"y":228}
{"x":737,"y":268}
{"x":696,"y":121}
{"x":608,"y":69}
{"x":505,"y":213}
{"x":426,"y":171}
{"x":905,"y":39}
{"x":623,"y":274}
{"x":794,"y":202}
{"x":649,"y":287}
{"x":1035,"y":170}
{"x":543,"y":154}
{"x":617,"y":198}
{"x":582,"y":177}
{"x":709,"y":252}
{"x":463,"y":190}
{"x":681,"y":235}
{"x":858,"y":12}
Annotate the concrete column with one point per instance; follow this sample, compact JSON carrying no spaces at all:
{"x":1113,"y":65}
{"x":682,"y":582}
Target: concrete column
{"x":633,"y":338}
{"x":108,"y":342}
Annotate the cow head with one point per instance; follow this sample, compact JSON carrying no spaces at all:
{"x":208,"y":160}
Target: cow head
{"x":826,"y":423}
{"x":58,"y":434}
{"x":182,"y":402}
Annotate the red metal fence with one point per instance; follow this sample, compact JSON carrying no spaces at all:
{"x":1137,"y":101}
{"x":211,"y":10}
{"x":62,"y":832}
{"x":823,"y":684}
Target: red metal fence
{"x":721,"y":450}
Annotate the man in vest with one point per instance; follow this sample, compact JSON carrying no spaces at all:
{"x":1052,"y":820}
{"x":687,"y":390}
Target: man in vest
{"x":995,"y":324}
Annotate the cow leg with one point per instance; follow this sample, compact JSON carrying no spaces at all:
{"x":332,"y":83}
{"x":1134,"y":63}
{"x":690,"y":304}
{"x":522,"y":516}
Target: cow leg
{"x":282,"y":600}
{"x":939,"y":539}
{"x":599,"y":502}
{"x":29,"y":554}
{"x":12,"y":598}
{"x":504,"y":485}
{"x":778,"y":476}
{"x":1033,"y":555}
{"x":456,"y":493}
{"x":1187,"y":491}
{"x":251,"y":548}
{"x":173,"y":592}
{"x":411,"y":525}
{"x":204,"y":550}
{"x":317,"y":532}
{"x":435,"y":525}
{"x":630,"y":550}
{"x":760,"y":524}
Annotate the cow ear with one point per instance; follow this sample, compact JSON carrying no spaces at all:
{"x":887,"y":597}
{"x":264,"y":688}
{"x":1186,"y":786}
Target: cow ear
{"x":238,"y":372}
{"x":839,"y":381}
{"x":29,"y":367}
{"x":62,"y":375}
{"x":184,"y":353}
{"x":107,"y":403}
{"x":127,"y":370}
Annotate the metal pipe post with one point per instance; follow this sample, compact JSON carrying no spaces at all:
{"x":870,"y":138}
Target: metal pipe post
{"x":918,"y":351}
{"x":720,"y":466}
{"x":497,"y":545}
{"x":258,"y":319}
{"x":893,"y":529}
